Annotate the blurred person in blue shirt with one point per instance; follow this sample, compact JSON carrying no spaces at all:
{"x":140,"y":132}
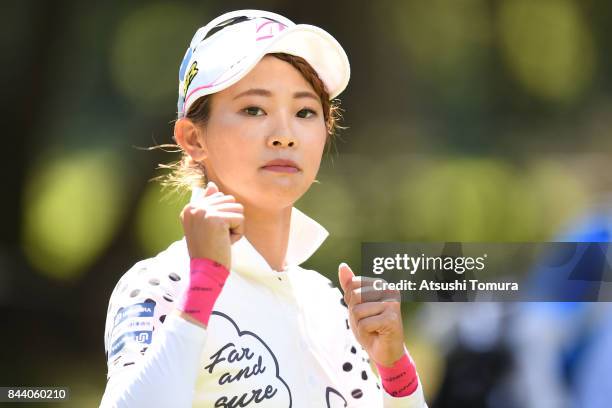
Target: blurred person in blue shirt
{"x":562,"y":349}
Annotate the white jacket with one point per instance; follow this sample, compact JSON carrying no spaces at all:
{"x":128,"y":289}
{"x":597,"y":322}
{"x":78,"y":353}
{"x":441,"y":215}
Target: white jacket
{"x":275,"y":339}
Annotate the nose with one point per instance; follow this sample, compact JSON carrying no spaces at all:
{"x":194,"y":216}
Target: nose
{"x":282,"y":136}
{"x":281,"y":141}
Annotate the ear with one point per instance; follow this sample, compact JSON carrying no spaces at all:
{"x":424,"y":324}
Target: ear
{"x":190,"y":138}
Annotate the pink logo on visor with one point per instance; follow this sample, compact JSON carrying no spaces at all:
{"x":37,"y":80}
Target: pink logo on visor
{"x":272,"y":28}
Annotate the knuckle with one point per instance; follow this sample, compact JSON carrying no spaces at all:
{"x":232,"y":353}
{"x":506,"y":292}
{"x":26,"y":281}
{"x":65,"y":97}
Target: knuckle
{"x":213,"y":218}
{"x":391,"y":316}
{"x":358,"y":325}
{"x":186,"y":209}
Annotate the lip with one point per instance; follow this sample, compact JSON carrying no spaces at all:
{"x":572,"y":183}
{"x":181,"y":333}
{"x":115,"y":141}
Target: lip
{"x":281,"y":166}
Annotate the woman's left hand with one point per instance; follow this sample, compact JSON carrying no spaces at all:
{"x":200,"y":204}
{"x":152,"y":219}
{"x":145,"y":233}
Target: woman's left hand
{"x":375,"y":316}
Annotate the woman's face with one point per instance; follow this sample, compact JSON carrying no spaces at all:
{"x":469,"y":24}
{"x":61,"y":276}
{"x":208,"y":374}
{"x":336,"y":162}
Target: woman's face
{"x":271,"y":114}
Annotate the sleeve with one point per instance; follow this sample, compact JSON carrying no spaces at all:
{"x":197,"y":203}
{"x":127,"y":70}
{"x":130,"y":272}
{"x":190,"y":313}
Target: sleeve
{"x":152,"y":353}
{"x":358,"y":353}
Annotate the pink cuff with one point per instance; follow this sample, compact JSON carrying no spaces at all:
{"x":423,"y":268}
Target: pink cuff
{"x":207,"y":278}
{"x":401,"y":379}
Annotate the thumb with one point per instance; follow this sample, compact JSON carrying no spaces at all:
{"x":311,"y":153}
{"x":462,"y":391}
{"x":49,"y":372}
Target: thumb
{"x":345,"y":274}
{"x":211,"y":188}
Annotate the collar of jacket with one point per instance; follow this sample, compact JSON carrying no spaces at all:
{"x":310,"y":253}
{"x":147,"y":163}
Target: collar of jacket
{"x":305,"y":237}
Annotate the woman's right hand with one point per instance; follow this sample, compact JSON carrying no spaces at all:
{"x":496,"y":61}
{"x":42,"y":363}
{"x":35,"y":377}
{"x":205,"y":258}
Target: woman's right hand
{"x":212,"y":225}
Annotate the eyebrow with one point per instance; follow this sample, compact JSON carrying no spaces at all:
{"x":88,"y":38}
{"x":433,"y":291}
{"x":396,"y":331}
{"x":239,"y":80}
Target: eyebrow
{"x":265,"y":92}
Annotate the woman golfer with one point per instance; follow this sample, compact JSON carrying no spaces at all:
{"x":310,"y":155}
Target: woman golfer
{"x":226,"y":317}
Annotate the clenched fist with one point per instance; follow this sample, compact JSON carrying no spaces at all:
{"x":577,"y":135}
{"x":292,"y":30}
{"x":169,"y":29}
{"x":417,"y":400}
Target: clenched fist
{"x":374,"y":315}
{"x":212,"y":224}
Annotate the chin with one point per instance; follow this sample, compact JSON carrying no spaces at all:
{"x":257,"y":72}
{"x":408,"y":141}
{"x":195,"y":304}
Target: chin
{"x":280,"y":195}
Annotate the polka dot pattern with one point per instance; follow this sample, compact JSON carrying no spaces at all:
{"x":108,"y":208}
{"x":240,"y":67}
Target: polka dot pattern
{"x":358,"y":373}
{"x":143,"y":283}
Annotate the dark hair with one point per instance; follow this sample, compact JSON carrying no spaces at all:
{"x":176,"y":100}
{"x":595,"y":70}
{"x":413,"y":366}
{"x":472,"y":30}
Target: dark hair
{"x":187,"y":172}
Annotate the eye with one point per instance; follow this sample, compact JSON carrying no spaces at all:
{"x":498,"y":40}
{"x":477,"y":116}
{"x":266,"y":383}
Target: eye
{"x":253,"y":111}
{"x":306,"y":113}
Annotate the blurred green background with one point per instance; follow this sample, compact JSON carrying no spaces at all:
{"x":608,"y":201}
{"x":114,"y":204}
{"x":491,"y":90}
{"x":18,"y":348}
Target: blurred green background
{"x":472,"y":120}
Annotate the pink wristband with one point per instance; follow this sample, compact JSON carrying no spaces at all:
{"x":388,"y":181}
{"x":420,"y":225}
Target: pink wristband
{"x":400,"y":380}
{"x":207,"y":278}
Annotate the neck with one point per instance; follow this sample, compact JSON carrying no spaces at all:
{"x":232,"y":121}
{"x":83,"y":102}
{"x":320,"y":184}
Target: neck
{"x":268,"y":232}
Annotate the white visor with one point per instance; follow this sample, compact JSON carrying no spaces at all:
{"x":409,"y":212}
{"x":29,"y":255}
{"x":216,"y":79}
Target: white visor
{"x":226,"y":49}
